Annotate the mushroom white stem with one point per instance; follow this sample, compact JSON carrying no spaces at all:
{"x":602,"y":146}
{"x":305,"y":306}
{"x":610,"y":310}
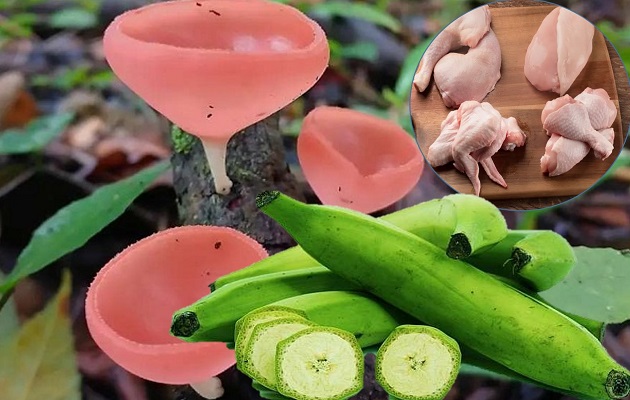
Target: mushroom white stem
{"x":210,"y":389}
{"x":215,"y":153}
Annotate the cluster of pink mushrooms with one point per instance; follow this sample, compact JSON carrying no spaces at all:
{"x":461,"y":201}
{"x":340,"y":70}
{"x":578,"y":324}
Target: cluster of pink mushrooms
{"x":214,"y":67}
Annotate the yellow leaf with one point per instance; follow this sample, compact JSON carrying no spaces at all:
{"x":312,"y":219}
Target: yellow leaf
{"x":38,"y":361}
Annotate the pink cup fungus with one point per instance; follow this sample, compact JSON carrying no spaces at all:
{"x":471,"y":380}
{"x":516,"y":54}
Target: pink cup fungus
{"x":214,"y":67}
{"x":131,"y":301}
{"x":356,"y":160}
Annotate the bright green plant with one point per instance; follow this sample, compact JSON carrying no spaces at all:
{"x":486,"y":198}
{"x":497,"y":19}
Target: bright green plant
{"x":35,"y":136}
{"x":72,"y":226}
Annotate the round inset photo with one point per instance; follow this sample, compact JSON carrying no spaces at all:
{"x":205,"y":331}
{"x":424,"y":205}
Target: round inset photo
{"x":524,"y":103}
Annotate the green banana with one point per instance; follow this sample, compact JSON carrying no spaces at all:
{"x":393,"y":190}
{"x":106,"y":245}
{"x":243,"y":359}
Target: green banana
{"x":287,"y":260}
{"x":540,"y":259}
{"x":359,"y":318}
{"x":213,"y":317}
{"x":479,"y":225}
{"x":448,"y":223}
{"x":596,"y":328}
{"x":360,"y":313}
{"x":373,"y":318}
{"x":477,"y":310}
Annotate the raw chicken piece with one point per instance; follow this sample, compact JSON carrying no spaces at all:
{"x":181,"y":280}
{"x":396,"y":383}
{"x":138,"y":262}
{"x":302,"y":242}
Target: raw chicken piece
{"x":601,"y":110}
{"x":480,"y":127}
{"x":508,"y":137}
{"x":470,"y":76}
{"x":562,"y":154}
{"x":466,"y":30}
{"x":572,"y":121}
{"x":554,"y":105}
{"x":441,"y":151}
{"x":514,"y":137}
{"x":559,"y":51}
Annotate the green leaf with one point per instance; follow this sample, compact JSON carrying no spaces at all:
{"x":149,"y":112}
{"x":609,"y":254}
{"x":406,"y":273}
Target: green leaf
{"x":72,"y":226}
{"x":38,"y":361}
{"x":529,"y":219}
{"x":25,"y":19}
{"x":9,"y":322}
{"x":392,"y":98}
{"x":102,"y":79}
{"x":293,"y":127}
{"x":409,"y":67}
{"x":335,"y":50}
{"x":451,"y":10}
{"x":365,"y":51}
{"x":73,"y":18}
{"x":71,"y":78}
{"x":362,"y":11}
{"x":404,"y":120}
{"x":622,"y":161}
{"x":620,"y":39}
{"x":42,"y":80}
{"x":367,"y":109}
{"x":89,"y":5}
{"x":596,"y":287}
{"x":35,"y":136}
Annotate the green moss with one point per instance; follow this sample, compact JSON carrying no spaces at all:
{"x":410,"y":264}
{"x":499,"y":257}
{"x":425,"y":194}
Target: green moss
{"x":182,"y":141}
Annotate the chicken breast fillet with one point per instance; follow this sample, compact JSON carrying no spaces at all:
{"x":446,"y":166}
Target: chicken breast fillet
{"x":559,"y":51}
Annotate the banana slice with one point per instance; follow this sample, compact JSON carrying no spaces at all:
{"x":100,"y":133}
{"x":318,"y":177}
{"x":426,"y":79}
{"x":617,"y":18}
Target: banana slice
{"x":245,"y":326}
{"x":417,"y":363}
{"x":260,"y":350}
{"x":320,"y":363}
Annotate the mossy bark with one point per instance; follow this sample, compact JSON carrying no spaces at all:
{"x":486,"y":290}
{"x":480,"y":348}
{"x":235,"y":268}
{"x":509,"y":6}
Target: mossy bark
{"x":255,"y":163}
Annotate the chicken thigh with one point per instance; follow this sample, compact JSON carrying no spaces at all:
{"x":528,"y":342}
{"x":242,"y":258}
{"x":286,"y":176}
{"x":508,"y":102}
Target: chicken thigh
{"x":470,"y":76}
{"x":466,"y":30}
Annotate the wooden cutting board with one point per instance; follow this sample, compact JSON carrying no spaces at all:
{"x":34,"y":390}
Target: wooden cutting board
{"x":515,"y":96}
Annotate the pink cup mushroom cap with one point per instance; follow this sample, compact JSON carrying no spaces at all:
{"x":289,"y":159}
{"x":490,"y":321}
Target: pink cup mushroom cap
{"x":356,"y":160}
{"x":131,"y":301}
{"x":214,"y":67}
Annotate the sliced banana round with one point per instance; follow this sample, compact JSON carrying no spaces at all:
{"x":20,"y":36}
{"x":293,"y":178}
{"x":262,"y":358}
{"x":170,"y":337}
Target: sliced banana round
{"x":320,"y":363}
{"x":417,"y":363}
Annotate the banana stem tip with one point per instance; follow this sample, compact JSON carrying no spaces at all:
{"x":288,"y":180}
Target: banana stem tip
{"x":266,"y":197}
{"x":185,"y":324}
{"x":618,"y":384}
{"x":520,"y":258}
{"x":459,"y":246}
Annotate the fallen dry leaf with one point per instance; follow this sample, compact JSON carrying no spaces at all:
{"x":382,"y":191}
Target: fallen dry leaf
{"x":11,"y":84}
{"x":611,"y":216}
{"x":38,"y":361}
